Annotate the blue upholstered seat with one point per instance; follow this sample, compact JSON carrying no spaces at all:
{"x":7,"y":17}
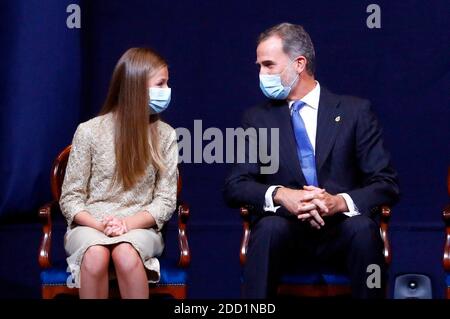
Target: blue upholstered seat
{"x":171,"y":274}
{"x":54,"y":276}
{"x":447,"y":280}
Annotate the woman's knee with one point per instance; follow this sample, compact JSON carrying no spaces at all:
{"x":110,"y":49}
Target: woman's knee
{"x":96,"y":260}
{"x":126,"y":258}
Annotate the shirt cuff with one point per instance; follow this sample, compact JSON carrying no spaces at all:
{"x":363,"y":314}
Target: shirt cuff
{"x":352,"y":209}
{"x":268,"y":204}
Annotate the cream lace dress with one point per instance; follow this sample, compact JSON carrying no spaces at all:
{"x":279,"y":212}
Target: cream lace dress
{"x":86,"y":186}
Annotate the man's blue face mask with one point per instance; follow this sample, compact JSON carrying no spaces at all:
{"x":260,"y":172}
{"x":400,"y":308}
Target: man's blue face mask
{"x":272,"y":86}
{"x":159,"y":99}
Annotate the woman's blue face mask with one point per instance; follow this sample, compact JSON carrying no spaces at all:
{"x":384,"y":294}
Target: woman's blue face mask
{"x":159,"y":99}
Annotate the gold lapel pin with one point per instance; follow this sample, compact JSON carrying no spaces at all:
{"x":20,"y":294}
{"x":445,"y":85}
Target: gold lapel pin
{"x":337,"y":119}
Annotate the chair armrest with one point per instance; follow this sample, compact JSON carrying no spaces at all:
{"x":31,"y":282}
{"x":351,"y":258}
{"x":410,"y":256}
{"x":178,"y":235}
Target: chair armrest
{"x":245,"y":215}
{"x":183,"y":216}
{"x":45,"y":215}
{"x":384,"y":227}
{"x":446,"y":216}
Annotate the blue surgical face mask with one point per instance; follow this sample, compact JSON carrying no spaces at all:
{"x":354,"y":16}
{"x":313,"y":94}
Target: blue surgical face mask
{"x":273,"y":88}
{"x":159,"y":99}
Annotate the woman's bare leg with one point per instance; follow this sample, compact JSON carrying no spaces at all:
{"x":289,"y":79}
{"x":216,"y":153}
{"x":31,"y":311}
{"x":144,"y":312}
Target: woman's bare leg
{"x":130,"y":271}
{"x":94,"y":273}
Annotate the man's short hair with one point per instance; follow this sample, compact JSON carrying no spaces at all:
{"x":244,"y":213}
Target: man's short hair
{"x":296,"y":42}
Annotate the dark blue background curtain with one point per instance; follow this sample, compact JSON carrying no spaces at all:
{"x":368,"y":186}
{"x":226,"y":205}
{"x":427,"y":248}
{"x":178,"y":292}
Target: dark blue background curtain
{"x":52,"y":78}
{"x":40,"y":98}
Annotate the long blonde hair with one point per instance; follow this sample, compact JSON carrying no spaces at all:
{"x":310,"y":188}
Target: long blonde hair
{"x":128,"y":99}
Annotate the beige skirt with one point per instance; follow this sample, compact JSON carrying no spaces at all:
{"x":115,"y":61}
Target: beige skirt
{"x":147,"y":242}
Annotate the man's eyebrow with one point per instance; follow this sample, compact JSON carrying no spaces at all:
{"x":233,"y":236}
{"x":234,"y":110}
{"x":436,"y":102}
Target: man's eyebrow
{"x":266,"y":62}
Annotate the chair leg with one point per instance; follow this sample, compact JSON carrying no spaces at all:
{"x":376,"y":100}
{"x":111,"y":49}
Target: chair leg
{"x":50,"y":292}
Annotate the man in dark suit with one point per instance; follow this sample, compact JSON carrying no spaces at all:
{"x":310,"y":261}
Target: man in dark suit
{"x":334,"y":171}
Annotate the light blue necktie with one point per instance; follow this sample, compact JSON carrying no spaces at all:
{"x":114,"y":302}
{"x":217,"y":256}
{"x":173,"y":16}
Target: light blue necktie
{"x":305,"y":151}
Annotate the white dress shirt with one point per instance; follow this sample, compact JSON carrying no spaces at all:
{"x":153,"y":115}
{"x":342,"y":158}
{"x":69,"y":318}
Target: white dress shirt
{"x":309,"y":115}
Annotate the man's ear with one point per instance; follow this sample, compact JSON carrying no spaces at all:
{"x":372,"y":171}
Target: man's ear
{"x":300,"y":64}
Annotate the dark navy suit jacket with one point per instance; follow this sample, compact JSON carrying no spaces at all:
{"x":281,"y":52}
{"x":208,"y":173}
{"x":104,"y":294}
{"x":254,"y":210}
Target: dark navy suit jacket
{"x":350,"y":156}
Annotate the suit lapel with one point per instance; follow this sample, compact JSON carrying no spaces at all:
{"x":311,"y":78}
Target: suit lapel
{"x":288,"y":145}
{"x":328,"y":122}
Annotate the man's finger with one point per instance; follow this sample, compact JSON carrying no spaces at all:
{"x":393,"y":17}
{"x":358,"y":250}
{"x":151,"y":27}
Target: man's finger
{"x":315,"y":214}
{"x":304,"y":216}
{"x":320,"y":196}
{"x":305,"y":207}
{"x":307,"y":197}
{"x":313,"y":188}
{"x":314,"y":224}
{"x":321,"y":205}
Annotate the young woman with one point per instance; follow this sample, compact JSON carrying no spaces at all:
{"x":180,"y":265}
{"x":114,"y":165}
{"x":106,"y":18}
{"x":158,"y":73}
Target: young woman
{"x":121,"y":182}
